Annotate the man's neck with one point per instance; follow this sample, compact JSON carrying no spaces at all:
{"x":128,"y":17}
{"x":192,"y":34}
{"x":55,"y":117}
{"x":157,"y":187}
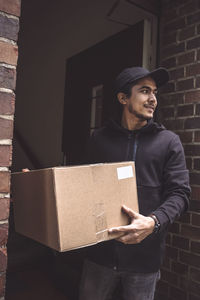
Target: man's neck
{"x":132,"y":123}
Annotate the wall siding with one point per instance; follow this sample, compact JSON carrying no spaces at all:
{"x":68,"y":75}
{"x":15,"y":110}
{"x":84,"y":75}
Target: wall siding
{"x":9,"y":27}
{"x":180,"y":112}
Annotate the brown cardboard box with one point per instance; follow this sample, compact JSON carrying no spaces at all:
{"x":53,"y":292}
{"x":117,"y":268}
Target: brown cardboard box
{"x":71,"y":207}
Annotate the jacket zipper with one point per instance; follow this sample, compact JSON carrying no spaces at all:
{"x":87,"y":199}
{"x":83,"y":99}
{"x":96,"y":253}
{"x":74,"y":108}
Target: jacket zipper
{"x":128,"y":147}
{"x":135,"y":146}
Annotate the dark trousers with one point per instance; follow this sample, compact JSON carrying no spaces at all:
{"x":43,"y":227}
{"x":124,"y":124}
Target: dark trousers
{"x":99,"y":283}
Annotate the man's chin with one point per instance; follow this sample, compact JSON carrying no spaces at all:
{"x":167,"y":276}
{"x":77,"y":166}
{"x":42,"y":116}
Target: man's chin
{"x":145,"y":117}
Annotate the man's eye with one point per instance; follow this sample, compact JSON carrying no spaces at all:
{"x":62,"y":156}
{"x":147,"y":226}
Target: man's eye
{"x":145,"y":91}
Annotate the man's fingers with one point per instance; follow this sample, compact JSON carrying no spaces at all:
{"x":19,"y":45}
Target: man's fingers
{"x":129,"y":239}
{"x":131,"y":213}
{"x":25,"y":170}
{"x":120,"y":229}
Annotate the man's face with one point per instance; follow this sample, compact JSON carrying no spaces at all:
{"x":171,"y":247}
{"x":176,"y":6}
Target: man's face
{"x":142,"y":102}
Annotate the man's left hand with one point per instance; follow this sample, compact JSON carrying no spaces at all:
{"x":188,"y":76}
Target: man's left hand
{"x":139,"y":228}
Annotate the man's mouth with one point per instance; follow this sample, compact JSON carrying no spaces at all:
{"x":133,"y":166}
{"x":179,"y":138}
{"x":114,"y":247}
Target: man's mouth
{"x":149,"y":107}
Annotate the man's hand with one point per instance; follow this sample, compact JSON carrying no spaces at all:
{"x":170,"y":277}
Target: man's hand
{"x":139,"y":228}
{"x":25,"y":170}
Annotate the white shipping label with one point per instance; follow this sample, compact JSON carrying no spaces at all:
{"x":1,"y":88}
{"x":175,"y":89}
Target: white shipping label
{"x":125,"y":172}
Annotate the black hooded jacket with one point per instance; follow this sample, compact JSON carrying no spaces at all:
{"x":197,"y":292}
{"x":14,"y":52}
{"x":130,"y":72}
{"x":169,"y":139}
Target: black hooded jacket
{"x":162,"y":183}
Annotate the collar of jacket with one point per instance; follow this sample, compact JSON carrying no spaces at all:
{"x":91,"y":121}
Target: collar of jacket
{"x":151,"y":126}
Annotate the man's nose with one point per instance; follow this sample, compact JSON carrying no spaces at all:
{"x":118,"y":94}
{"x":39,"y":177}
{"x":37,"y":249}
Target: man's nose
{"x":152,"y":97}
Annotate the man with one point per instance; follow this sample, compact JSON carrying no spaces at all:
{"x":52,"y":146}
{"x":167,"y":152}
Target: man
{"x":163,"y":191}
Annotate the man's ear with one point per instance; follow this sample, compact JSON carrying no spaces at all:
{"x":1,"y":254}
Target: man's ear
{"x":122,"y":98}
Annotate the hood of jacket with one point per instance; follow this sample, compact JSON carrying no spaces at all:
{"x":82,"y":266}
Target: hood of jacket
{"x":151,"y":126}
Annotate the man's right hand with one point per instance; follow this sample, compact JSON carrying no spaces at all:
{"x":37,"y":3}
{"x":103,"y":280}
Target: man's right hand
{"x":25,"y":170}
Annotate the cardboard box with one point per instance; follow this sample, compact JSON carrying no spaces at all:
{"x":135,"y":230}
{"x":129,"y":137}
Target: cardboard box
{"x":71,"y":207}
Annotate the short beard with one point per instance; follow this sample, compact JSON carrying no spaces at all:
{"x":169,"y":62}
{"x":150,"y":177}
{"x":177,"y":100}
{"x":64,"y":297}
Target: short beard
{"x":139,"y":116}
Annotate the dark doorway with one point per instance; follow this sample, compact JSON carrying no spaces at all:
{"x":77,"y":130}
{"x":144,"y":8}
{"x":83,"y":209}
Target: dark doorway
{"x":89,"y":97}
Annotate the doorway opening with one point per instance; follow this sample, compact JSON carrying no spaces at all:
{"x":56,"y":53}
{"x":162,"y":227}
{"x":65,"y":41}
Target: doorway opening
{"x":83,"y":33}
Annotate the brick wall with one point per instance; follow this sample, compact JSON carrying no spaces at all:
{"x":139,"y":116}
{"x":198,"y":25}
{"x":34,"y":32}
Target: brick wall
{"x":9,"y":26}
{"x":180,"y":112}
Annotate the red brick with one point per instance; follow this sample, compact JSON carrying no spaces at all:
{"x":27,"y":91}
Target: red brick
{"x":194,"y":287}
{"x":4,"y":182}
{"x":168,"y":5}
{"x":4,"y":208}
{"x":180,"y":242}
{"x":198,"y":29}
{"x":5,"y":156}
{"x":171,"y":252}
{"x":195,"y":247}
{"x":179,"y":268}
{"x":197,"y":164}
{"x":9,"y":27}
{"x":196,"y":193}
{"x":8,"y":53}
{"x":186,"y":58}
{"x":168,"y":239}
{"x":3,"y":234}
{"x":173,"y":125}
{"x":189,"y":163}
{"x":193,"y":96}
{"x":173,"y":50}
{"x":193,"y":69}
{"x":198,"y":109}
{"x":173,"y":99}
{"x":190,"y":258}
{"x":174,"y":25}
{"x":2,"y":284}
{"x":192,"y":123}
{"x":197,"y":136}
{"x":3,"y":259}
{"x":184,"y":85}
{"x":167,"y":112}
{"x":166,"y":263}
{"x":196,"y":219}
{"x":198,"y":82}
{"x":168,"y":88}
{"x":190,"y":231}
{"x":169,"y":15}
{"x":162,"y":285}
{"x":170,"y":277}
{"x":168,"y":39}
{"x":185,"y":110}
{"x":195,"y":274}
{"x":189,"y":7}
{"x":192,"y":150}
{"x":185,"y":136}
{"x":186,"y":33}
{"x":7,"y":78}
{"x":169,"y":63}
{"x":193,"y":18}
{"x":198,"y":54}
{"x":6,"y":131}
{"x":194,"y":205}
{"x":176,"y":74}
{"x":10,"y":6}
{"x":193,"y":44}
{"x":176,"y":293}
{"x":193,"y":297}
{"x":7,"y":104}
{"x":183,"y":284}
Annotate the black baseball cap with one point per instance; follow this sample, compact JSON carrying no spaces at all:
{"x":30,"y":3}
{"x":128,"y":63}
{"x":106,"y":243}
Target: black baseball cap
{"x":130,"y":75}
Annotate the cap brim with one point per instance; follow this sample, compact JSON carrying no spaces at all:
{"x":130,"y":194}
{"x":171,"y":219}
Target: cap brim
{"x":160,"y":76}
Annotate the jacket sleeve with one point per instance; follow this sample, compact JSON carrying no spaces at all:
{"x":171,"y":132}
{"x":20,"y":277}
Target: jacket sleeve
{"x":176,"y":189}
